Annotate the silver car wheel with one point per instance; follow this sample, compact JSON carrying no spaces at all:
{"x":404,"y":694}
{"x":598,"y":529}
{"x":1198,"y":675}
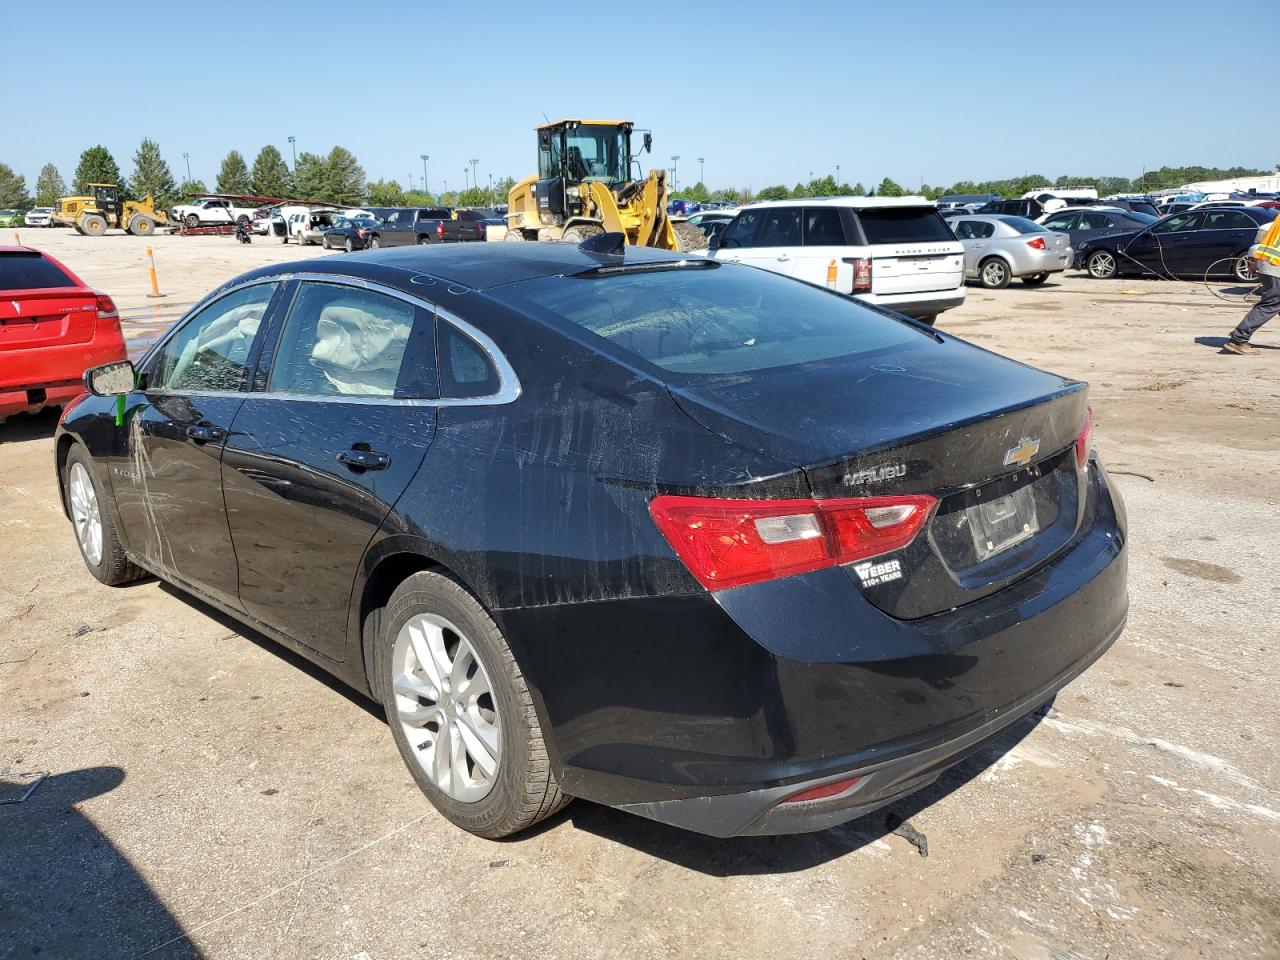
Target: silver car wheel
{"x":993,"y":273}
{"x":1102,"y":265}
{"x":444,"y":703}
{"x":85,"y":514}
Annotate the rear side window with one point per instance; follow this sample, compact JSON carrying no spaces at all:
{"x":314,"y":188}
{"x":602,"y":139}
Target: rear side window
{"x":30,"y":271}
{"x":465,"y":368}
{"x":711,"y":321}
{"x":904,"y":225}
{"x":823,"y":228}
{"x":974,"y":229}
{"x":1066,"y":221}
{"x":1228,"y":220}
{"x":1093,"y":221}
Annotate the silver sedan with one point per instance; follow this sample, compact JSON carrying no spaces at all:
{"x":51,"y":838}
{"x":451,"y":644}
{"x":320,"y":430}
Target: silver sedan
{"x":999,"y":248}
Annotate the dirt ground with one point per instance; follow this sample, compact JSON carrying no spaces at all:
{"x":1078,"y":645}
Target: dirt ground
{"x":213,"y":796}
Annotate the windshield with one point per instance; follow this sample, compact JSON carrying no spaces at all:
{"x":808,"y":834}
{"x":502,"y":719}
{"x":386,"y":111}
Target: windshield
{"x":590,"y":153}
{"x":713,"y":321}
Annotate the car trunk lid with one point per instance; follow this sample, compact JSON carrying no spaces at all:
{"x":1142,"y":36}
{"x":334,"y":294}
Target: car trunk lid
{"x":912,"y":250}
{"x":40,"y":318}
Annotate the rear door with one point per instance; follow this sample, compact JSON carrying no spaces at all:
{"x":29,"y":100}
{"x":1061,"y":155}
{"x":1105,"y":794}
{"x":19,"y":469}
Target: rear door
{"x":343,"y":414}
{"x":826,"y":246}
{"x":1222,"y":235}
{"x":912,"y":250}
{"x":397,"y":231}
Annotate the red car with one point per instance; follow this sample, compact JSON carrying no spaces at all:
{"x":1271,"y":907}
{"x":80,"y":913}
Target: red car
{"x":52,"y":328}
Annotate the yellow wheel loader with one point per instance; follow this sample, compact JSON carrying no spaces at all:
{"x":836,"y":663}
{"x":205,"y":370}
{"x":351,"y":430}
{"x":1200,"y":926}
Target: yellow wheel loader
{"x":103,"y":209}
{"x":584,"y":187}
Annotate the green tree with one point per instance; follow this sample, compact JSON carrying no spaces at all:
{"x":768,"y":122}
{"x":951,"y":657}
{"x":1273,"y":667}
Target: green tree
{"x":417,"y":198}
{"x":49,"y":186}
{"x":311,"y":177}
{"x":13,"y":189}
{"x":859,"y":190}
{"x":697,"y":193}
{"x":189,"y":188}
{"x":344,"y":177}
{"x":473,"y":197}
{"x":151,"y":175}
{"x":270,"y":176}
{"x":777,"y":192}
{"x":233,"y":176}
{"x":386,"y":193}
{"x":502,"y":189}
{"x":888,"y":188}
{"x":96,"y":166}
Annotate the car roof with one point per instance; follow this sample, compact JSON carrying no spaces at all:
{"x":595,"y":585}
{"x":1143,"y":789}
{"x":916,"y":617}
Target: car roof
{"x":855,"y":202}
{"x":475,"y":266}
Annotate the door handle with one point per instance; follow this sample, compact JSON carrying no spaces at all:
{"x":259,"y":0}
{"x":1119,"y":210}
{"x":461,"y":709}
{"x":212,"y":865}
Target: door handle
{"x":205,"y":433}
{"x":360,"y":460}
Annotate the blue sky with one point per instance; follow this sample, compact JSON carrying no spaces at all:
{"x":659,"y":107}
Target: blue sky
{"x":766,"y":92}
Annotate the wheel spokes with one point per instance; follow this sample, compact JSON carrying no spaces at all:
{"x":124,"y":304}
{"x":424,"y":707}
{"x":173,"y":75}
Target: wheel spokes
{"x":481,"y":740}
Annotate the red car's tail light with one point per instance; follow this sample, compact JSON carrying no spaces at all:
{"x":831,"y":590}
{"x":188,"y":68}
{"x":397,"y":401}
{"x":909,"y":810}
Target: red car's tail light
{"x":1036,"y":243}
{"x":440,"y":230}
{"x":1085,"y":439}
{"x":362,"y":233}
{"x":823,"y":792}
{"x":861,"y":273}
{"x":730,"y":543}
{"x":106,"y":306}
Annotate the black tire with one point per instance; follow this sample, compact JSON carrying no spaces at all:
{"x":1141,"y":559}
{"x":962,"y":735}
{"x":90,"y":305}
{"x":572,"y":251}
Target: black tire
{"x":93,"y":225}
{"x":524,"y":791}
{"x":113,"y":568}
{"x":1035,"y":279}
{"x":141,"y":226}
{"x":375,"y":242}
{"x":191,"y":220}
{"x":994,"y":273}
{"x":242,"y":219}
{"x":1244,"y":268}
{"x":579,"y":232}
{"x":1102,"y":265}
{"x":350,"y":246}
{"x":423,"y":240}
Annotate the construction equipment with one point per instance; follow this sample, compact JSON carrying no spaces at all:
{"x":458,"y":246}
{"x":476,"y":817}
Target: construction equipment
{"x":584,"y":187}
{"x":103,"y":209}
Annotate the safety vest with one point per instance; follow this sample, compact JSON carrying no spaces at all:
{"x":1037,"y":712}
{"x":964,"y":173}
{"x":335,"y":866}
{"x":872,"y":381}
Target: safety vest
{"x":1269,"y":248}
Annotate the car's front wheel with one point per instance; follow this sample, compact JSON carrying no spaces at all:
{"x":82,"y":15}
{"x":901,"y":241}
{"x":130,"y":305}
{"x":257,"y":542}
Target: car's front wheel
{"x":95,"y":533}
{"x":374,"y":242}
{"x":349,"y":246}
{"x":1102,"y":265}
{"x":460,"y":711}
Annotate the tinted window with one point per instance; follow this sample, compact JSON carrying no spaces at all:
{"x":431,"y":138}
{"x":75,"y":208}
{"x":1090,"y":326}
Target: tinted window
{"x":903,"y":225}
{"x":211,"y":350}
{"x":974,"y":229}
{"x":1181,"y":221}
{"x":345,"y":341}
{"x":740,"y":231}
{"x":709,"y":321}
{"x":1023,"y":225}
{"x":1067,"y":222}
{"x":1228,"y":220}
{"x":823,"y":227}
{"x":1138,"y":219}
{"x":465,"y":368}
{"x":1094,"y":221}
{"x":29,"y":271}
{"x":780,"y":227}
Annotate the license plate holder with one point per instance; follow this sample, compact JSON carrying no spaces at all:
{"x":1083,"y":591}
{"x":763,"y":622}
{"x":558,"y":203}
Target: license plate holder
{"x":1002,"y":523}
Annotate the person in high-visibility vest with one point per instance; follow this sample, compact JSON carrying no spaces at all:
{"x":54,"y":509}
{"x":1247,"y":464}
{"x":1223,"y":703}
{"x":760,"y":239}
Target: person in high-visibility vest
{"x":1266,"y":256}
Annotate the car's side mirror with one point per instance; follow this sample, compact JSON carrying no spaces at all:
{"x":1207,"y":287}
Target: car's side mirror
{"x":110,"y":379}
{"x":714,"y":242}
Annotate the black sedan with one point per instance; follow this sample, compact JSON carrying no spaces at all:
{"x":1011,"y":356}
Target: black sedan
{"x":694,"y":540}
{"x":349,"y":233}
{"x":1207,"y":242}
{"x":1085,"y":223}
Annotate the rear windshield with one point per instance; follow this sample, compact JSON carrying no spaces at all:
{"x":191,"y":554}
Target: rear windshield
{"x":29,"y":271}
{"x":706,"y":321}
{"x":1023,"y":225}
{"x":904,"y":225}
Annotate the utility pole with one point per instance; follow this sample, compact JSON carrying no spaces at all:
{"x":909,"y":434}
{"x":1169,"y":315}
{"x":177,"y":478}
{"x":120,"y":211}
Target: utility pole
{"x":293,"y":145}
{"x":466,"y":179}
{"x":702,"y":177}
{"x":475,"y":175}
{"x":424,"y":158}
{"x":837,"y":174}
{"x":675,"y":174}
{"x":187,"y":157}
{"x":491,"y":189}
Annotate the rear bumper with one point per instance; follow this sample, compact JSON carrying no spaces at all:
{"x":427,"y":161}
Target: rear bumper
{"x":918,"y":305}
{"x":35,"y":399}
{"x":50,"y":376}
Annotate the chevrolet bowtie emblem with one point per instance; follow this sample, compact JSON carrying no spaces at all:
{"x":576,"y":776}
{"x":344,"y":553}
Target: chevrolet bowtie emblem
{"x":17,"y":305}
{"x":1021,"y":454}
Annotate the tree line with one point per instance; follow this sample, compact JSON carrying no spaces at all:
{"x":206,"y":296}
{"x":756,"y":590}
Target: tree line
{"x":338,"y":178}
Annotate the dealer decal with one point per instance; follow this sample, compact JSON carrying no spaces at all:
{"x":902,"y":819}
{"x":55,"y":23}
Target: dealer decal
{"x":873,"y":574}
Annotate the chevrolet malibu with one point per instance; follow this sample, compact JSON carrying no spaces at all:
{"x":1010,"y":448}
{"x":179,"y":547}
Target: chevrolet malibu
{"x":700,"y":542}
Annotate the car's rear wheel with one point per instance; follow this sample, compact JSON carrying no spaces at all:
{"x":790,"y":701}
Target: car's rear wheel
{"x":1244,"y":268}
{"x":1035,"y":280}
{"x":994,"y":273}
{"x":95,"y":533}
{"x":350,"y":247}
{"x":141,"y":226}
{"x":514,"y":236}
{"x":1102,"y":265}
{"x":423,"y":240}
{"x":374,"y":242}
{"x":460,"y":711}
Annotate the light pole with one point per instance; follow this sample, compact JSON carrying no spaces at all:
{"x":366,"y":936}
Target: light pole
{"x":491,"y":189}
{"x":475,"y":176}
{"x":466,"y":179}
{"x":675,"y":173}
{"x":187,"y":157}
{"x":837,"y":174}
{"x":293,"y":145}
{"x":702,"y":177}
{"x":424,"y":158}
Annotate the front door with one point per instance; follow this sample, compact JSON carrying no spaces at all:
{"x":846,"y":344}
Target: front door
{"x":777,"y":242}
{"x":1163,"y":249}
{"x":168,"y":486}
{"x":738,"y":236}
{"x":315,"y":463}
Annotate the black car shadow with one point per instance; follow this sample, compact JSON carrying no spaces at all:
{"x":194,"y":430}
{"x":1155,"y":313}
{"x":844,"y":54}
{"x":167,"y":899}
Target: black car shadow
{"x":65,"y":890}
{"x":748,"y":856}
{"x":30,"y":426}
{"x":1220,"y":342}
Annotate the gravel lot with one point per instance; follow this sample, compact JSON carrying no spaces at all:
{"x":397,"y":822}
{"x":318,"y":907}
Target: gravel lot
{"x":214,"y":796}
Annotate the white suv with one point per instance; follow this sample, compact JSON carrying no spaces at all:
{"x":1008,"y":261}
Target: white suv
{"x":894,"y":251}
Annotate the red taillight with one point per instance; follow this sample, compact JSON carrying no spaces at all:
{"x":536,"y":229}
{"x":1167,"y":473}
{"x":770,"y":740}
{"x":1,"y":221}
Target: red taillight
{"x":730,"y":543}
{"x":823,"y":792}
{"x":861,"y":273}
{"x":1036,"y":243}
{"x":1085,"y":440}
{"x":106,"y":306}
{"x":440,"y":230}
{"x":362,"y":233}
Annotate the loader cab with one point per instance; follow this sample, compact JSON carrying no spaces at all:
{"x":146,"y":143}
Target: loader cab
{"x":106,"y":198}
{"x":573,"y":152}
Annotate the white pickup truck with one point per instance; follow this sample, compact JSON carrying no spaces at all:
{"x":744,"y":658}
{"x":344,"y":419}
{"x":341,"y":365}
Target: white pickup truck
{"x":207,"y":210}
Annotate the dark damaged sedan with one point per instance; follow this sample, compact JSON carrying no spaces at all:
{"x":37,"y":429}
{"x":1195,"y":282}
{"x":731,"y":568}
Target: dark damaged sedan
{"x":686,"y":538}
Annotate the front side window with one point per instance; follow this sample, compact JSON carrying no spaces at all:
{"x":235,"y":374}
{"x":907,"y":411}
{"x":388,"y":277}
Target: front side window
{"x":781,"y":228}
{"x":1183,"y":221}
{"x":740,"y":232}
{"x":341,"y":341}
{"x":210,"y":352}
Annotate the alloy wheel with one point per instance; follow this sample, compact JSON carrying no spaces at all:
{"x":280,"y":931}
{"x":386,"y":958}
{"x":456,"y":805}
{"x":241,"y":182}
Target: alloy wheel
{"x":1102,"y":265}
{"x":993,"y":273}
{"x":444,"y":703}
{"x":85,"y":514}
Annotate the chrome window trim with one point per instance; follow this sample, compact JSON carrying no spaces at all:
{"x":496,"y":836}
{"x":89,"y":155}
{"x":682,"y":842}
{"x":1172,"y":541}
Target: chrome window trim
{"x":508,"y":391}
